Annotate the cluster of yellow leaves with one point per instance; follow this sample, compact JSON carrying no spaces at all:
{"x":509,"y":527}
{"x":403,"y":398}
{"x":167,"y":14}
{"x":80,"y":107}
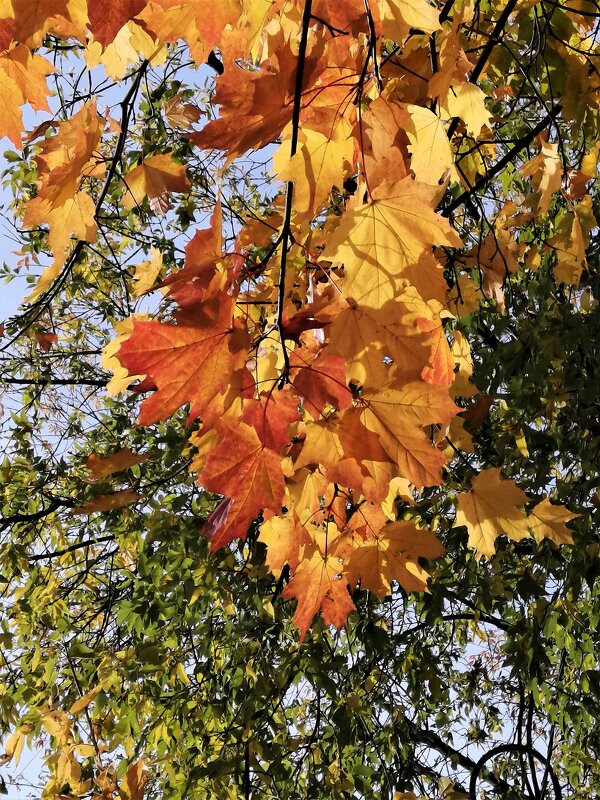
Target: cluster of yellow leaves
{"x":64,"y":161}
{"x":326,"y":378}
{"x":63,"y":762}
{"x":330,"y":411}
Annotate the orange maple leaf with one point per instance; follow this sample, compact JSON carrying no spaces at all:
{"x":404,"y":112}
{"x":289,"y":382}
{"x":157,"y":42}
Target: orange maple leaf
{"x":244,"y":470}
{"x":154,"y":177}
{"x":188,"y":364}
{"x":107,"y":18}
{"x":319,"y":585}
{"x":101,"y":466}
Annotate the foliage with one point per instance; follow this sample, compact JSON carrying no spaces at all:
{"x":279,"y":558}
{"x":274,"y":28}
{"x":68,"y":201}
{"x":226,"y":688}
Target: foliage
{"x":301,"y":405}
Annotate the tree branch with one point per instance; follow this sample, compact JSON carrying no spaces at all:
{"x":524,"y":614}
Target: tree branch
{"x":289,"y":193}
{"x":72,"y":548}
{"x":485,"y":53}
{"x":483,"y":180}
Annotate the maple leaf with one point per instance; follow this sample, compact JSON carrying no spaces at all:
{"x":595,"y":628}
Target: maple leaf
{"x":101,"y":466}
{"x":70,"y":155}
{"x":384,"y":152}
{"x":547,"y":521}
{"x":466,"y":100}
{"x":546,"y":171}
{"x":108,"y":502}
{"x":490,"y":509}
{"x":46,"y":340}
{"x":271,"y":417}
{"x":179,"y":114}
{"x":188,"y":364}
{"x":285,"y":539}
{"x":381,"y":343}
{"x":322,"y":446}
{"x":255,"y":106}
{"x":378,"y":240}
{"x":398,"y":416}
{"x":390,"y":553}
{"x":202,"y":254}
{"x":319,"y":164}
{"x":22,"y":80}
{"x":170,"y":20}
{"x":147,"y":272}
{"x":35,"y":18}
{"x":154,"y":177}
{"x":244,"y":470}
{"x":107,"y":18}
{"x":319,"y":585}
{"x":430,"y":152}
{"x":319,"y":381}
{"x":399,"y":16}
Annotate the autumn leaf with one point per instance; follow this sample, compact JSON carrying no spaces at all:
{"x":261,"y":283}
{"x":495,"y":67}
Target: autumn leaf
{"x":319,"y":164}
{"x":108,"y":502}
{"x":378,"y":557}
{"x":383,"y":237}
{"x":491,"y":509}
{"x":22,"y":80}
{"x":466,"y":101}
{"x":399,"y":16}
{"x":429,"y":148}
{"x":545,"y":169}
{"x":180,"y":114}
{"x":320,"y":381}
{"x":84,"y":701}
{"x":285,"y":539}
{"x":398,"y":417}
{"x":101,"y":466}
{"x":547,"y":521}
{"x":244,"y":470}
{"x":107,"y":18}
{"x":154,"y":177}
{"x":35,"y":18}
{"x":188,"y":364}
{"x":271,"y":416}
{"x":319,"y":586}
{"x":132,"y":785}
{"x":147,"y":272}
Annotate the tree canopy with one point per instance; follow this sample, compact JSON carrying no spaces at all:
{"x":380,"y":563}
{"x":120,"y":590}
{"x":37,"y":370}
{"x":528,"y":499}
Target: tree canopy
{"x":300,"y":406}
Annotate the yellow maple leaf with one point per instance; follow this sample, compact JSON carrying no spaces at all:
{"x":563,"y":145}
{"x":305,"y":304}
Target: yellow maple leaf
{"x":130,"y":44}
{"x":155,"y":177}
{"x":285,"y":539}
{"x":377,"y":241}
{"x":491,"y":509}
{"x":547,"y":521}
{"x":147,"y":272}
{"x":316,"y":167}
{"x":399,"y":16}
{"x":379,"y":344}
{"x":466,"y":100}
{"x":546,"y":171}
{"x":431,"y":155}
